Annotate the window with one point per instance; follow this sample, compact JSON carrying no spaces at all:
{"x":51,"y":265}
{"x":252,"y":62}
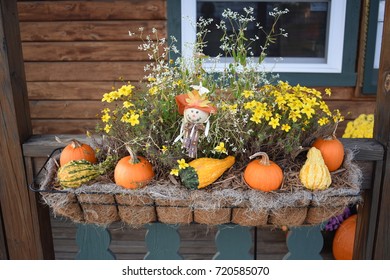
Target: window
{"x":311,"y":45}
{"x":319,"y":51}
{"x":373,"y":46}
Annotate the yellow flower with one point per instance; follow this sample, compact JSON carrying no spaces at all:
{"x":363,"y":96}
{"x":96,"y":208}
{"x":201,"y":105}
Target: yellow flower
{"x":256,"y":118}
{"x":286,"y":127}
{"x":126,"y":90}
{"x":127,"y":104}
{"x":134,"y":119}
{"x":151,"y":79}
{"x":106,"y":118}
{"x":274,"y":122}
{"x":175,"y":172}
{"x":323,"y":121}
{"x":247,"y":93}
{"x":107,"y":97}
{"x":328,"y":91}
{"x":294,"y":116}
{"x":107,"y":128}
{"x":182,"y":164}
{"x":164,"y":149}
{"x":308,"y":110}
{"x":220,"y":148}
{"x":250,"y":105}
{"x":153,"y":90}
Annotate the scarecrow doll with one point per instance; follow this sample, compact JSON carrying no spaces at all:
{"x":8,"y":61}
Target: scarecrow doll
{"x":196,"y":110}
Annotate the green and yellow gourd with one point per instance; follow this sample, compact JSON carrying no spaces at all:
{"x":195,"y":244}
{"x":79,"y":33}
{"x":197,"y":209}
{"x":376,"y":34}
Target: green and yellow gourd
{"x":314,"y":174}
{"x":77,"y":172}
{"x":204,"y":171}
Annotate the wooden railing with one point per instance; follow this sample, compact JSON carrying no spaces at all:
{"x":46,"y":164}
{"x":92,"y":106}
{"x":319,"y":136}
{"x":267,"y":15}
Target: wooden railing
{"x":231,"y":241}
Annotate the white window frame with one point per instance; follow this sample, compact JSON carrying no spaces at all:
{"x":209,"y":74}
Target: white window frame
{"x":332,"y":63}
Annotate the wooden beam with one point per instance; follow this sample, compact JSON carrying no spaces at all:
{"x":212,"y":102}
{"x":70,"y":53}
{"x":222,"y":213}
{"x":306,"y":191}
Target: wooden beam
{"x":19,"y":210}
{"x":382,"y":134}
{"x":3,"y":247}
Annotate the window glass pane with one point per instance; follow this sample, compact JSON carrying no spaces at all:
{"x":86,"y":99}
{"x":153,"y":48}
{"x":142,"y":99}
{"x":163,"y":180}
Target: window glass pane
{"x":306,"y":25}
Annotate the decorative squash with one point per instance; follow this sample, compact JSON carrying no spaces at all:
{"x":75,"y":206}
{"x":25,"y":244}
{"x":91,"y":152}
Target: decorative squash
{"x":344,"y":239}
{"x":332,"y":151}
{"x":76,"y":151}
{"x":77,"y":172}
{"x":204,"y":171}
{"x":264,"y":174}
{"x":314,"y":174}
{"x":133,"y":172}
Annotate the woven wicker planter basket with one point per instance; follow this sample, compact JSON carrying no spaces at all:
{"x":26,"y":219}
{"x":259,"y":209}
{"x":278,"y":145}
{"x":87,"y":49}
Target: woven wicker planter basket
{"x":103,"y":203}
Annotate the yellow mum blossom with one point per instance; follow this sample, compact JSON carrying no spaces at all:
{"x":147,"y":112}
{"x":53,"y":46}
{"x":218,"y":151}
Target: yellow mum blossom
{"x":182,"y":164}
{"x":361,"y":127}
{"x":274,"y":122}
{"x":175,"y":172}
{"x":286,"y":127}
{"x":221,"y":148}
{"x":328,"y":91}
{"x":248,"y":94}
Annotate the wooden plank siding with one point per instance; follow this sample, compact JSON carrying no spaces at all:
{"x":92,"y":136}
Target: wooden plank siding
{"x":74,"y":51}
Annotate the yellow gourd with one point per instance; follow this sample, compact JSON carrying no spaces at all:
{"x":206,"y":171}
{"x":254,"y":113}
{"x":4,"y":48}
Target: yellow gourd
{"x":204,"y":171}
{"x":314,"y":174}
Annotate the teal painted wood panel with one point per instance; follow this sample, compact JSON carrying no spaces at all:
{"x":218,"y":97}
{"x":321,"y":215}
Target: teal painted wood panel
{"x":233,"y":243}
{"x":93,"y":242}
{"x":304,"y":243}
{"x":162,"y":241}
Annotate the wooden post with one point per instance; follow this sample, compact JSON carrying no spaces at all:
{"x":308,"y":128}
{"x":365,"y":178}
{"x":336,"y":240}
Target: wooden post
{"x":18,"y":207}
{"x":382,"y":134}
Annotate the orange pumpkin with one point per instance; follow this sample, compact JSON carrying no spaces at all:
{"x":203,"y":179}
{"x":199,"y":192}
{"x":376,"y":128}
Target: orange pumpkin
{"x":133,"y":174}
{"x":263,"y":174}
{"x":344,"y":239}
{"x":77,"y":151}
{"x":332,"y":151}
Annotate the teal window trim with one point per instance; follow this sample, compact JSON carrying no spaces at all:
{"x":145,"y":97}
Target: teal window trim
{"x":370,"y":74}
{"x":346,"y":78}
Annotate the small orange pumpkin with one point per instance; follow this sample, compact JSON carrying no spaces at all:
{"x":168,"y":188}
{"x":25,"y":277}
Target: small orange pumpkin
{"x":332,"y":151}
{"x":77,"y":151}
{"x":344,"y":239}
{"x":263,"y":174}
{"x":133,"y":172}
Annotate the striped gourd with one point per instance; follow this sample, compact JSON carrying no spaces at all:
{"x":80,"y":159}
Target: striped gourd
{"x":314,"y":174}
{"x":77,"y":172}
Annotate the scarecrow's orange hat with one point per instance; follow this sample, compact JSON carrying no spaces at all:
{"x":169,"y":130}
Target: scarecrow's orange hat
{"x":193,"y":99}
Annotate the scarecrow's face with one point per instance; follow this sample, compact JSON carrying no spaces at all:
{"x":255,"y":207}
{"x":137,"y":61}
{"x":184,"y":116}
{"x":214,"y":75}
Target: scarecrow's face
{"x":195,"y":116}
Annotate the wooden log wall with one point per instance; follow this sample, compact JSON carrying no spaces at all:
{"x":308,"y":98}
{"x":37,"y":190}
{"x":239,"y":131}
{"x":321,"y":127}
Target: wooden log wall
{"x":74,"y":51}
